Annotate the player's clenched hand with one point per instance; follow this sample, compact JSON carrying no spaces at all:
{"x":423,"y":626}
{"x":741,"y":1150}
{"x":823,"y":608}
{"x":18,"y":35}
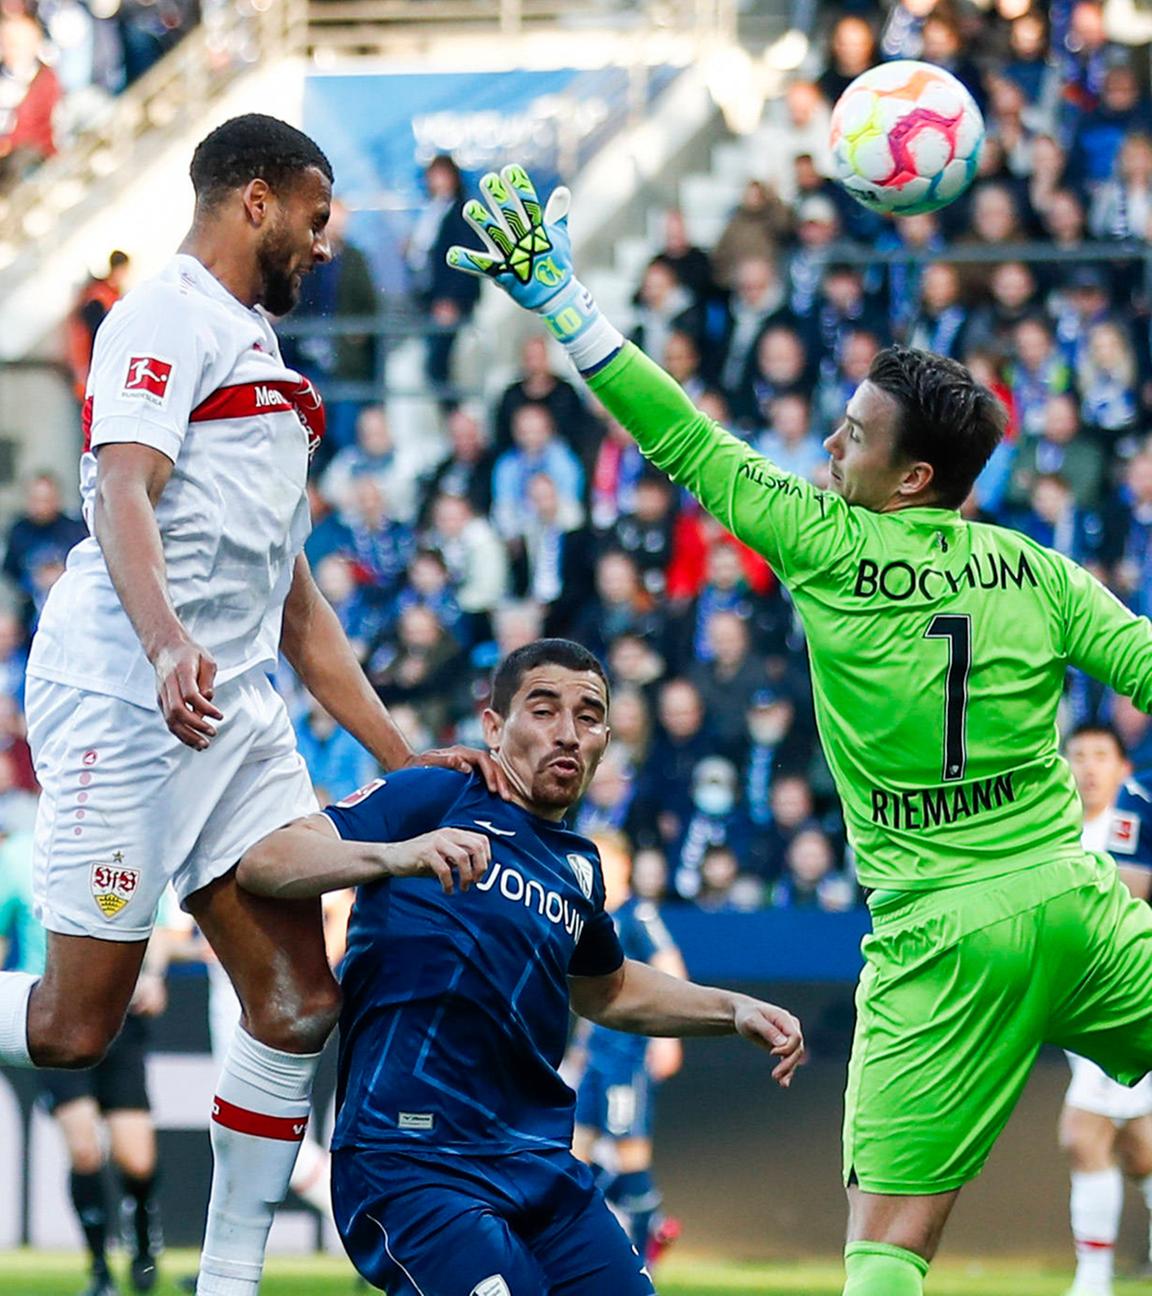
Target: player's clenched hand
{"x":185,"y":679}
{"x":468,"y":760}
{"x":775,"y":1030}
{"x":448,"y":854}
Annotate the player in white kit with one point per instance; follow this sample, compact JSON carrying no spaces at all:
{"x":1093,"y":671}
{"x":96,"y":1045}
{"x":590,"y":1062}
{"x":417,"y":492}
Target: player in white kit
{"x":162,"y":747}
{"x":1106,"y":1127}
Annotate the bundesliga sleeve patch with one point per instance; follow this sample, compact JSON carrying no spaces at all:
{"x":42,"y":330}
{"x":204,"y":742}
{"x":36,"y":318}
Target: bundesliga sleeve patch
{"x":1123,"y":834}
{"x":148,"y":377}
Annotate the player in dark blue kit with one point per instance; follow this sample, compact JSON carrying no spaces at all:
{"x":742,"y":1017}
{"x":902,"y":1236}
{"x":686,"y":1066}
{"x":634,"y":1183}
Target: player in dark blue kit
{"x":621,"y":1072}
{"x":452,"y":1170}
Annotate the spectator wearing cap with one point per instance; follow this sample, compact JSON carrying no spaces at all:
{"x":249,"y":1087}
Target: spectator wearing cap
{"x":646,"y":532}
{"x":789,"y":441}
{"x":842,"y":307}
{"x":1085,"y":301}
{"x":817,"y":229}
{"x":537,"y":449}
{"x":1060,"y":449}
{"x":775,"y":744}
{"x":728,"y":680}
{"x":538,"y":385}
{"x":714,"y":817}
{"x":42,"y":534}
{"x":810,"y":879}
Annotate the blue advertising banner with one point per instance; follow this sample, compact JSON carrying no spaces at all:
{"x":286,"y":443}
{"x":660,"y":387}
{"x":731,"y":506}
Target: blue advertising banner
{"x":380,"y":131}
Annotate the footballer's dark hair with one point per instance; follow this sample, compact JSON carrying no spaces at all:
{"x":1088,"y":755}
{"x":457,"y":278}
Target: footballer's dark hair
{"x":252,"y":147}
{"x":1098,"y":729}
{"x":947,"y":419}
{"x":507,"y":677}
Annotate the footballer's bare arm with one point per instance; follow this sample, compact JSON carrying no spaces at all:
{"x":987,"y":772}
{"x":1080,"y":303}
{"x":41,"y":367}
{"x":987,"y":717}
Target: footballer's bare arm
{"x":644,"y":1001}
{"x":130,"y":479}
{"x":317,"y":648}
{"x":309,"y":858}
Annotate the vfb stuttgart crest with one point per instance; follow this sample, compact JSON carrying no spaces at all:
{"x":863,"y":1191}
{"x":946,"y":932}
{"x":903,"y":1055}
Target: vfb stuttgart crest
{"x":582,"y":867}
{"x":113,"y":886}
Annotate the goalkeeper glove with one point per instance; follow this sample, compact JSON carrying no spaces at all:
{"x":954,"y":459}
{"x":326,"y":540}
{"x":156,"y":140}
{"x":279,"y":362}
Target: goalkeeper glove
{"x":528,"y":252}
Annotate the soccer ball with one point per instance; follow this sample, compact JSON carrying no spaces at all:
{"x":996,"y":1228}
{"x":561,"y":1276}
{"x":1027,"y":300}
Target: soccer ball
{"x":906,"y":138}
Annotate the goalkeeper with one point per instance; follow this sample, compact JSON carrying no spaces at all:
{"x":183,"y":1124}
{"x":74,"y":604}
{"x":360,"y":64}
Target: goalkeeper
{"x":939,"y":649}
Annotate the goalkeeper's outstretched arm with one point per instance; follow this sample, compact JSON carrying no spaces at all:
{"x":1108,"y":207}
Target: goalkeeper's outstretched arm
{"x":527,"y":252}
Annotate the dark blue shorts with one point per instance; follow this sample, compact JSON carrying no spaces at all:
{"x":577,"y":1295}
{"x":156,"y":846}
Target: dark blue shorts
{"x":527,"y":1224}
{"x":615,"y":1101}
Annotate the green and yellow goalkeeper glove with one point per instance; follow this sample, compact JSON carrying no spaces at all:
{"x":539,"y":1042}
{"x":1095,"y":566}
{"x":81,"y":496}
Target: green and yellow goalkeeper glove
{"x":528,"y":252}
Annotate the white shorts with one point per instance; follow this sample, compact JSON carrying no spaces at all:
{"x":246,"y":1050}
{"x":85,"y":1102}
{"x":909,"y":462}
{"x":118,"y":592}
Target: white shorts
{"x":1092,"y":1090}
{"x":127,"y":808}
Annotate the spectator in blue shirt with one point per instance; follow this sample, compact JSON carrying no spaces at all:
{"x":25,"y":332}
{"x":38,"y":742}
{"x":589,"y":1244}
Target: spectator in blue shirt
{"x":537,"y":450}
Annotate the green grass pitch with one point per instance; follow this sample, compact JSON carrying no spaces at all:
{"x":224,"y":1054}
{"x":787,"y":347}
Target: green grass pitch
{"x":39,"y":1274}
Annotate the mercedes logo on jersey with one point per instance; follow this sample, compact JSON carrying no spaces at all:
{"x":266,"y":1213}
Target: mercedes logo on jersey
{"x":583,"y":869}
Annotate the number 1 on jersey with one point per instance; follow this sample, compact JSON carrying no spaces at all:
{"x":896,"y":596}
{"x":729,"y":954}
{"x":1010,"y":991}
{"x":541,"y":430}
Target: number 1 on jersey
{"x":957,"y":629}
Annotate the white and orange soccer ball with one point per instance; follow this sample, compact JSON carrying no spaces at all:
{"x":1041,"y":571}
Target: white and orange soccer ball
{"x":906,"y":138}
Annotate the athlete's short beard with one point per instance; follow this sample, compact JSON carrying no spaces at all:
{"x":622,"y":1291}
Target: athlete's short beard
{"x":281,"y":289}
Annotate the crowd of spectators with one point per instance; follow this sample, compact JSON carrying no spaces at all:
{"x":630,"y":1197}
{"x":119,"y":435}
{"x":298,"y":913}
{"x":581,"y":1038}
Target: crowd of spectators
{"x":542,"y":517}
{"x":61,"y":59}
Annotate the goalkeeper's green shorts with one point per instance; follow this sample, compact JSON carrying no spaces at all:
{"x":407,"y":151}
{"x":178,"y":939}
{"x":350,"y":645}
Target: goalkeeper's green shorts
{"x":961,"y":988}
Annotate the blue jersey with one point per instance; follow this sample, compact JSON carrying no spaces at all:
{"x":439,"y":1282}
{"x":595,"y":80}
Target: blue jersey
{"x":1130,"y":828}
{"x":456,"y":1006}
{"x":642,"y":935}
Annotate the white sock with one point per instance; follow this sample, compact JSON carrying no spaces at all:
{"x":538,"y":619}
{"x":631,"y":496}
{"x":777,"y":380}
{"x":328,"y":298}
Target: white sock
{"x":258,"y":1122}
{"x":1146,"y":1189}
{"x":15,"y":987}
{"x":312,"y":1177}
{"x":1097,"y":1200}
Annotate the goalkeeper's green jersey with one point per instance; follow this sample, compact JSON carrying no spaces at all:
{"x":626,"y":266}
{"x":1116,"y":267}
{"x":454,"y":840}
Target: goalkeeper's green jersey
{"x":938,"y":646}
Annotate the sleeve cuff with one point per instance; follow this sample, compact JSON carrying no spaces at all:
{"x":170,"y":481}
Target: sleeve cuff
{"x":118,"y":430}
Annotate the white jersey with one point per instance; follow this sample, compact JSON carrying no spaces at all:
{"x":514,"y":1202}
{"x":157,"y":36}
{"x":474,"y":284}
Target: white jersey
{"x":184,"y":367}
